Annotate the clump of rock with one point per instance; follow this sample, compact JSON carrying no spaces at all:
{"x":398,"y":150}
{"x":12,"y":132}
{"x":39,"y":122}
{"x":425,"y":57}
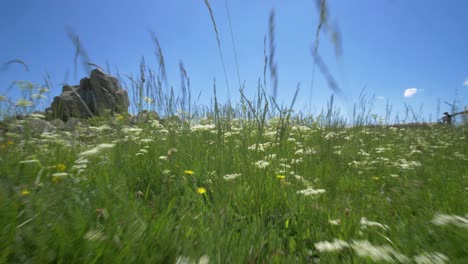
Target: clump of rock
{"x":97,"y":95}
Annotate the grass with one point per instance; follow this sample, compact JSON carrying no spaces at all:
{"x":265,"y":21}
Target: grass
{"x":247,"y":183}
{"x":140,"y":198}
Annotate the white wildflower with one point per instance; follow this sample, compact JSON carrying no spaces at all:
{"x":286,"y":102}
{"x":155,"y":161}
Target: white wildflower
{"x":330,"y":135}
{"x":298,"y":177}
{"x":300,"y":128}
{"x":184,"y":260}
{"x":132,"y":130}
{"x":363,"y":153}
{"x":310,"y":151}
{"x":43,"y":90}
{"x":334,"y":221}
{"x":336,"y":245}
{"x":203,"y":127}
{"x":380,"y":150}
{"x":443,"y":219}
{"x":270,"y":134}
{"x":299,"y":152}
{"x":261,"y":164}
{"x":382,"y":159}
{"x":81,"y":160}
{"x":155,"y":124}
{"x":311,"y":191}
{"x":365,"y":223}
{"x":232,"y":176}
{"x":414,"y":151}
{"x":89,"y":152}
{"x":105,"y":146}
{"x":460,"y":156}
{"x":96,"y":150}
{"x":230,"y":133}
{"x":405,"y":165}
{"x":337,"y":152}
{"x":431,"y":258}
{"x":100,"y":128}
{"x":296,"y":161}
{"x":204,"y":259}
{"x":364,"y":248}
{"x":30,"y":161}
{"x":47,"y":135}
{"x":79,"y":167}
{"x":36,"y":116}
{"x":148,"y":100}
{"x":280,"y":172}
{"x":60,"y":174}
{"x":260,"y":147}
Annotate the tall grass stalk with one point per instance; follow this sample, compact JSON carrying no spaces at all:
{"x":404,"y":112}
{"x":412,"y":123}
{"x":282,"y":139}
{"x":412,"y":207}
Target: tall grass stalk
{"x":233,"y":42}
{"x":215,"y":28}
{"x":272,"y":48}
{"x":80,"y":52}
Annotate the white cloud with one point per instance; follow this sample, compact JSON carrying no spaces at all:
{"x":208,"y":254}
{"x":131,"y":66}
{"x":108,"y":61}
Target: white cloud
{"x":465,"y":83}
{"x":410,"y":92}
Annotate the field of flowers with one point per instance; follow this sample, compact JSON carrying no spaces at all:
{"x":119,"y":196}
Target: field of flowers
{"x":231,"y":191}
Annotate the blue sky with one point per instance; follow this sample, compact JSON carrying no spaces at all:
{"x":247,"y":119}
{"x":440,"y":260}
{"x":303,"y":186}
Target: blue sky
{"x":388,"y":46}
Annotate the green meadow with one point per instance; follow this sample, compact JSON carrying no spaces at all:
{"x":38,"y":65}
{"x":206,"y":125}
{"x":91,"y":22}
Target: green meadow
{"x":231,"y":191}
{"x":246,"y":182}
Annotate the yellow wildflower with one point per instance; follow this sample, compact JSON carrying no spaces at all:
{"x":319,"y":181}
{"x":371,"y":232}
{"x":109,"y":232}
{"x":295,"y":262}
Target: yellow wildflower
{"x":281,"y":177}
{"x":376,"y":178}
{"x":201,"y":190}
{"x":120,"y":117}
{"x":10,"y":143}
{"x":60,"y":167}
{"x":188,"y":172}
{"x":25,"y":192}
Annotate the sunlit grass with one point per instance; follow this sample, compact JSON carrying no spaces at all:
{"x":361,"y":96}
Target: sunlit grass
{"x":248,"y":183}
{"x":156,"y":194}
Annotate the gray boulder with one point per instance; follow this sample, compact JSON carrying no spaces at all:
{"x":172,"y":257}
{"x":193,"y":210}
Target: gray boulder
{"x":39,"y":126}
{"x":30,"y":126}
{"x":94,"y":96}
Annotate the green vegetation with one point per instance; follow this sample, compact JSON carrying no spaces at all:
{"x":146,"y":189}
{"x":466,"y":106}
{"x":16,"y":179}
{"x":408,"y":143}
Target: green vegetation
{"x":247,"y":183}
{"x":223,"y":191}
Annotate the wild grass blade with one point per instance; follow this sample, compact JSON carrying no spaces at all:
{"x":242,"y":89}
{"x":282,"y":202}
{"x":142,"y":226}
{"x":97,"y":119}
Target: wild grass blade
{"x":215,"y":28}
{"x":272,"y":49}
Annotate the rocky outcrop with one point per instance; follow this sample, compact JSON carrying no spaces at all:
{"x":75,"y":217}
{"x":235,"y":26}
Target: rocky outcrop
{"x":95,"y":96}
